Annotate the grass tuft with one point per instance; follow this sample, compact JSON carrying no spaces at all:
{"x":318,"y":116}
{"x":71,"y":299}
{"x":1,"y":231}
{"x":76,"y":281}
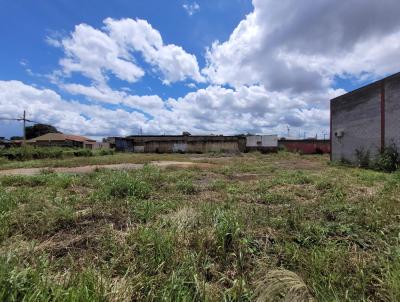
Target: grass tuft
{"x":282,"y":285}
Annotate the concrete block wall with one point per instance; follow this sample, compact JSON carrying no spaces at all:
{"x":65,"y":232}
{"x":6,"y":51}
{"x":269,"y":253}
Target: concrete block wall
{"x":190,"y":146}
{"x":392,"y":111}
{"x":366,"y":119}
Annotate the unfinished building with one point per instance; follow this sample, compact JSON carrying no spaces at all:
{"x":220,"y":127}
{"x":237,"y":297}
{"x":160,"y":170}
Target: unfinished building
{"x":366,"y":120}
{"x":194,"y":143}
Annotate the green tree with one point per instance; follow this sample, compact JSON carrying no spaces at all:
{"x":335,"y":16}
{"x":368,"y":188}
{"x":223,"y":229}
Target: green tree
{"x":39,"y":129}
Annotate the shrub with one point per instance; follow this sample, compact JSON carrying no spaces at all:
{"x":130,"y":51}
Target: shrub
{"x":83,"y":153}
{"x":104,"y":152}
{"x":30,"y":152}
{"x":388,"y":160}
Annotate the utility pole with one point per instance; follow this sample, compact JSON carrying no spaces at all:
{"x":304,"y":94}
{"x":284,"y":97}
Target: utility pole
{"x":24,"y":120}
{"x":24,"y":125}
{"x":288,"y":131}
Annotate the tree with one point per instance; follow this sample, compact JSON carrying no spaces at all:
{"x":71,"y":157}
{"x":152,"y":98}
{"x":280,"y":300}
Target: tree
{"x":39,"y":129}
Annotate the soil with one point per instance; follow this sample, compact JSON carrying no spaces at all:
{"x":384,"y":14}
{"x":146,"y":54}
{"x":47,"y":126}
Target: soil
{"x":89,"y":169}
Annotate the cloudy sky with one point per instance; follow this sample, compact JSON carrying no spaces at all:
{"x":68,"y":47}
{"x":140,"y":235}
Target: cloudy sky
{"x":104,"y":68}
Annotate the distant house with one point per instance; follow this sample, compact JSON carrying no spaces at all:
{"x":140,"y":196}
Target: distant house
{"x":62,"y":140}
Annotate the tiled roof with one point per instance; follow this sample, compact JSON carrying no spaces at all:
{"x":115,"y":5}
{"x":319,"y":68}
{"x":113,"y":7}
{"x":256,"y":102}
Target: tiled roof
{"x":61,"y":137}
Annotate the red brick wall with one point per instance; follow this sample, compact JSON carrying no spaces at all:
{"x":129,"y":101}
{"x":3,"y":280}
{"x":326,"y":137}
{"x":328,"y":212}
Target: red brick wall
{"x":306,"y":146}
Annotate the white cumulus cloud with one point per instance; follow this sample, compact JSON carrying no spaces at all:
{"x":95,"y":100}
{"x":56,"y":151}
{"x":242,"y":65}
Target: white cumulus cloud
{"x":93,"y":53}
{"x":299,"y":46}
{"x":97,"y":53}
{"x":173,"y":61}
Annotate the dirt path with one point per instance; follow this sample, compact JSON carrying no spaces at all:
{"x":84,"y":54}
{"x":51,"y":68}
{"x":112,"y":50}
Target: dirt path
{"x":88,"y":169}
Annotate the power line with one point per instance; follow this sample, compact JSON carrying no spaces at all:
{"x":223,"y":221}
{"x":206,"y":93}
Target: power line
{"x":24,"y":120}
{"x":8,"y":119}
{"x":23,"y":125}
{"x":28,"y":121}
{"x":37,"y":122}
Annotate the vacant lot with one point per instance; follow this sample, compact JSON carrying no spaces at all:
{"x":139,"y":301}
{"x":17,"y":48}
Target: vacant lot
{"x":202,"y":233}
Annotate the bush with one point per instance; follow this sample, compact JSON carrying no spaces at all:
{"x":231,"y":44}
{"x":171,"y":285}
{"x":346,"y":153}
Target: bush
{"x":103,"y":152}
{"x":83,"y":153}
{"x":388,"y":160}
{"x":30,"y":152}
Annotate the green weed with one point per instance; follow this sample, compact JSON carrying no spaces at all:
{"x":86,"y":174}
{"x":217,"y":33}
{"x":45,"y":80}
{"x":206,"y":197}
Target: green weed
{"x":121,"y":184}
{"x":186,"y":186}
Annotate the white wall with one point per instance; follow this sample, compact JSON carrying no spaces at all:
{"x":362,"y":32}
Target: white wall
{"x":262,"y":141}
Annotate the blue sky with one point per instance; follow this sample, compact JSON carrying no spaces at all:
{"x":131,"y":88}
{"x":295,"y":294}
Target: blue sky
{"x":26,"y":24}
{"x":103,"y":68}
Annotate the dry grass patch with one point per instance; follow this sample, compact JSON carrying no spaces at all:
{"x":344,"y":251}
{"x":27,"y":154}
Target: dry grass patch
{"x":243,"y":229}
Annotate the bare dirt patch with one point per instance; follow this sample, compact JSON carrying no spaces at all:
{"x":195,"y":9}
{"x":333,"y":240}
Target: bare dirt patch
{"x":92,"y":168}
{"x":181,"y":164}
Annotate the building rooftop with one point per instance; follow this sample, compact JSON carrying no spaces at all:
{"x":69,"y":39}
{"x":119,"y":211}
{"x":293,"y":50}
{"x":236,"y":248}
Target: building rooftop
{"x":60,"y":137}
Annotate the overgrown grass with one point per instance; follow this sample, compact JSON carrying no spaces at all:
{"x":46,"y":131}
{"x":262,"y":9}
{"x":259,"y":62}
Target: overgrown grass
{"x":251,"y":227}
{"x":27,"y":153}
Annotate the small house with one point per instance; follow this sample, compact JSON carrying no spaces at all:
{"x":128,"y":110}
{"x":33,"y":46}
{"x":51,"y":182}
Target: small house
{"x":62,"y":140}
